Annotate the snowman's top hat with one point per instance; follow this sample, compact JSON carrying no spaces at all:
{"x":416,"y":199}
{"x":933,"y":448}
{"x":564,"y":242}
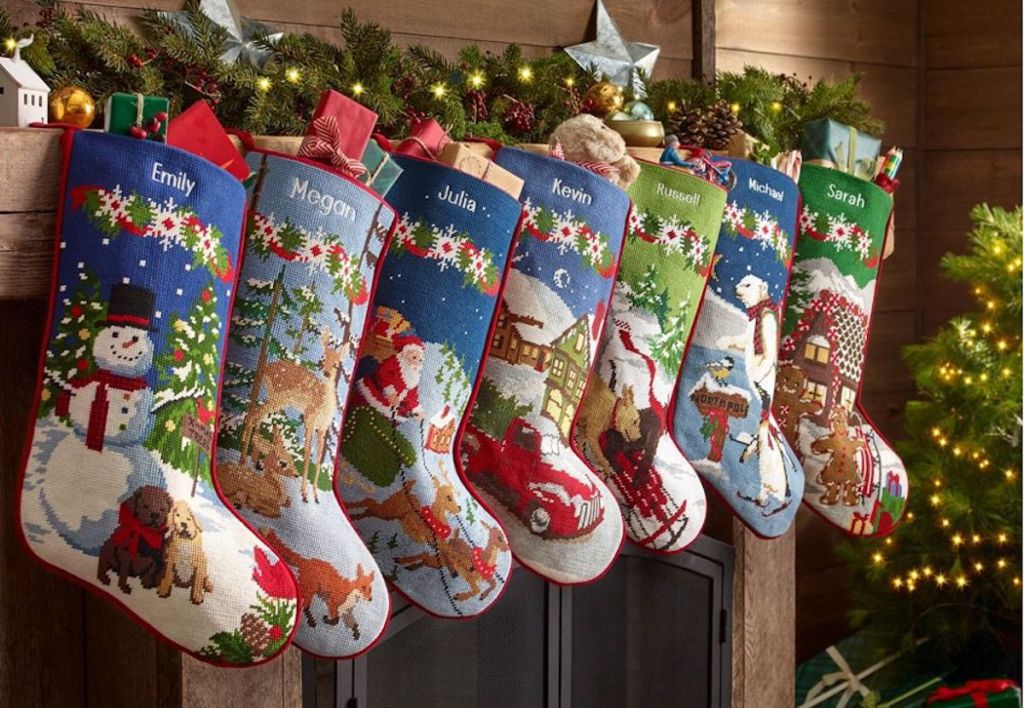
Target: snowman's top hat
{"x":131,"y":306}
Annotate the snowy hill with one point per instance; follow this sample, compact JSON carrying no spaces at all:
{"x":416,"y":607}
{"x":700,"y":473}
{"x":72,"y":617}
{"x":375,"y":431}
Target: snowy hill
{"x":825,"y":275}
{"x":720,"y":319}
{"x":528,"y":295}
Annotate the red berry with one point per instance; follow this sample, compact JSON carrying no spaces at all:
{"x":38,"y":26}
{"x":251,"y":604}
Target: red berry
{"x":81,"y":364}
{"x":134,"y":60}
{"x":161,"y":116}
{"x":206,"y":295}
{"x":178,"y":355}
{"x":275,"y":633}
{"x":76,"y":310}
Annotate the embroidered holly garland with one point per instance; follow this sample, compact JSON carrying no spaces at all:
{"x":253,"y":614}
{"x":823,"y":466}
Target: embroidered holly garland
{"x":451,"y":249}
{"x":843,"y":234}
{"x":319,"y":250}
{"x":675,"y":237}
{"x":111,"y":211}
{"x":763,"y":228}
{"x":569,"y":233}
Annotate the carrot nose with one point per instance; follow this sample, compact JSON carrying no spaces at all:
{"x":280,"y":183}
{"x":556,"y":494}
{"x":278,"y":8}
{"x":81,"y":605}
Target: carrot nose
{"x":126,"y":345}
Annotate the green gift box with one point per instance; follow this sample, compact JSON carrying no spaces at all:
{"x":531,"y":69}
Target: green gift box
{"x":991,"y":693}
{"x":124,"y":111}
{"x":381,"y":171}
{"x":834,"y":144}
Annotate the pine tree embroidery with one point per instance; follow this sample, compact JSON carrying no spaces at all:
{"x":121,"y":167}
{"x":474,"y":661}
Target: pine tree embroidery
{"x":667,"y":347}
{"x":70,"y":354}
{"x":187,"y":372}
{"x":450,"y":249}
{"x":112,"y":212}
{"x":674,"y":237}
{"x":763,"y":228}
{"x":569,"y":233}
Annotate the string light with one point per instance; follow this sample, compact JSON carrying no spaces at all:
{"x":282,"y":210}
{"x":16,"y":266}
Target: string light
{"x":776,"y":106}
{"x":940,"y":580}
{"x":888,"y":541}
{"x":1001,"y":345}
{"x":10,"y":44}
{"x":975,"y":539}
{"x":935,"y":500}
{"x":735,"y":108}
{"x":913,"y":575}
{"x":978,"y":567}
{"x":877,"y":558}
{"x":926,"y":571}
{"x":570,"y":81}
{"x":945,"y":523}
{"x":1002,"y":538}
{"x":292,"y":74}
{"x":1001,"y":563}
{"x":961,"y":581}
{"x":263,"y":84}
{"x":897,"y":583}
{"x":1010,"y":475}
{"x":671,"y":106}
{"x":957,"y":539}
{"x":358,"y":89}
{"x":1016,"y":581}
{"x":439,"y":90}
{"x":476,"y":79}
{"x":525,"y":74}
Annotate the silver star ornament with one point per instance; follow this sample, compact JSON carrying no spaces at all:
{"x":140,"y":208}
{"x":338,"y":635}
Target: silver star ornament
{"x":613,"y":56}
{"x":242,"y":32}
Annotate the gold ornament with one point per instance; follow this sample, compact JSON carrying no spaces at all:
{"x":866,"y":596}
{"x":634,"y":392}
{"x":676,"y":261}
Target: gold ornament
{"x":606,"y":97}
{"x":72,"y":105}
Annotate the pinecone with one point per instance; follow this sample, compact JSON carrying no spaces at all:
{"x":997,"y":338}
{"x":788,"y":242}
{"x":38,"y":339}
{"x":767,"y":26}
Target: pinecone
{"x":687,"y":124}
{"x":719,"y":125}
{"x":520,"y":118}
{"x":256,"y":633}
{"x":476,"y":105}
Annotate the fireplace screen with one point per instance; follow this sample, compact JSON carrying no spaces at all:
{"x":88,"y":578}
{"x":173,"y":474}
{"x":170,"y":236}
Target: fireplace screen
{"x":653,"y":633}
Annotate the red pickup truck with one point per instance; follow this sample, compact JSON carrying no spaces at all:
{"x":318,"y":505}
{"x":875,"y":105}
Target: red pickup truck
{"x":552,"y":503}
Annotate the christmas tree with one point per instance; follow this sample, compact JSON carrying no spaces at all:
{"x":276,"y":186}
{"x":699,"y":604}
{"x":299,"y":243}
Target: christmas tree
{"x":951,"y":572}
{"x":187,"y":370}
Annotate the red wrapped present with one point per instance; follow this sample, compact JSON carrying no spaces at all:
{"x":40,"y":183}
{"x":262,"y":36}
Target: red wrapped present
{"x":993,"y":693}
{"x":197,"y":130}
{"x":339,"y":133}
{"x":426,"y":139}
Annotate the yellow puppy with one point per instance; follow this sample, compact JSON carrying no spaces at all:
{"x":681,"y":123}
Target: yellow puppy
{"x":184,"y":557}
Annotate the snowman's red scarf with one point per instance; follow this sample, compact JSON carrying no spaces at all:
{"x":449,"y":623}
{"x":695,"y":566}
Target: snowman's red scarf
{"x":100,"y":405}
{"x":754,"y":315}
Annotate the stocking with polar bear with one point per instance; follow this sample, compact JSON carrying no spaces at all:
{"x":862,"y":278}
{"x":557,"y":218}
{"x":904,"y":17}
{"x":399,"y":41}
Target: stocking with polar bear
{"x":306,"y":278}
{"x":417,"y":370}
{"x":561,"y":518}
{"x":116,"y":492}
{"x":625,"y":423}
{"x":854,"y":479}
{"x":723,"y":418}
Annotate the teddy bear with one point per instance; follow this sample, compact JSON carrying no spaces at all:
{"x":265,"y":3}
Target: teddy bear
{"x":586,"y":138}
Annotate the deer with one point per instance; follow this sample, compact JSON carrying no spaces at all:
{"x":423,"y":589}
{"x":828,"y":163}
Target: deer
{"x":462,"y":559}
{"x":315,"y":396}
{"x":258,"y":486}
{"x":421,"y":523}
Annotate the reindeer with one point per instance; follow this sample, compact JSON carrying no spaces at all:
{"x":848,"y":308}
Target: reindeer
{"x":258,"y":487}
{"x":291,"y":385}
{"x":462,"y":559}
{"x":418,"y":520}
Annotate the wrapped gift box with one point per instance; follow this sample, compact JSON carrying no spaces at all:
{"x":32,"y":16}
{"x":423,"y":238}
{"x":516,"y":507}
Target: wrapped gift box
{"x":354,"y":120}
{"x":381,"y":170}
{"x":426,"y":140}
{"x":990,"y":693}
{"x":123,"y":111}
{"x":471,"y":162}
{"x":833,"y":144}
{"x":198,"y":131}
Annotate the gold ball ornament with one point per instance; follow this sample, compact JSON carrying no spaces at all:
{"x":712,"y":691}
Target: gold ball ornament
{"x":606,"y":97}
{"x":72,"y":105}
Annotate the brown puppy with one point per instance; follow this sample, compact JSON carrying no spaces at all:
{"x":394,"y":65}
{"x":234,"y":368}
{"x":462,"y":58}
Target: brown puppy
{"x":184,"y":557}
{"x":135,"y":549}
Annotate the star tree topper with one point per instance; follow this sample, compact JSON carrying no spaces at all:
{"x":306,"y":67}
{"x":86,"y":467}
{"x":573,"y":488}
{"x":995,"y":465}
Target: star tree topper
{"x":242,"y":32}
{"x":613,"y":56}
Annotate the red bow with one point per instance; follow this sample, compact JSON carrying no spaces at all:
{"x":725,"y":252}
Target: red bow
{"x":131,"y":530}
{"x":604,"y":169}
{"x":324,"y":143}
{"x":977,"y":690}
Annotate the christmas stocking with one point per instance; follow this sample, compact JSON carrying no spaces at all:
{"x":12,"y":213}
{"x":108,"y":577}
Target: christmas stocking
{"x":561,"y":519}
{"x":723,"y":417}
{"x":417,"y":370}
{"x":854,"y":479}
{"x":313,"y":239}
{"x":117,"y":493}
{"x":624,"y":422}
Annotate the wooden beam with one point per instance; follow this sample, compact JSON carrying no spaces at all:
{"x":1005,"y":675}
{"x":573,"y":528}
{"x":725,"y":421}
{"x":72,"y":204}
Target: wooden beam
{"x":703,"y":27}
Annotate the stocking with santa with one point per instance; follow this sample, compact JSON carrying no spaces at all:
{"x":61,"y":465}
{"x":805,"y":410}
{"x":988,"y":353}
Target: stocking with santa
{"x":117,"y":491}
{"x":430,"y":323}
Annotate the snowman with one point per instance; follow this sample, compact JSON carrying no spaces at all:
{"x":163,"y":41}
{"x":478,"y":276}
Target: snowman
{"x":91,"y":471}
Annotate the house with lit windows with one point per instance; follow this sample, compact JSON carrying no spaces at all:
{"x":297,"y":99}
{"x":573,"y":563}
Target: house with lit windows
{"x":828,"y":345}
{"x":509,"y":343}
{"x":567,"y":374}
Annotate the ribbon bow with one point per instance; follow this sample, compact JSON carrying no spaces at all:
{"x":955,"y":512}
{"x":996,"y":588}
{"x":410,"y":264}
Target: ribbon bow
{"x":323,"y":142}
{"x":598,"y":167}
{"x":132,"y":531}
{"x":977,"y":690}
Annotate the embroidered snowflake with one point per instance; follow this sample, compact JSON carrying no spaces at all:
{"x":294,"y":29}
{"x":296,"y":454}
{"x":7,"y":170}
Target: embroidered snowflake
{"x":264,"y":228}
{"x":566,"y":227}
{"x":808,"y":219}
{"x":594,"y":248}
{"x":635,"y":224}
{"x":732,"y":214}
{"x":863,"y":243}
{"x":206,"y":241}
{"x":764,"y":230}
{"x":478,"y":265}
{"x":530,"y":213}
{"x":113,"y":205}
{"x":840,"y":231}
{"x":168,"y":224}
{"x":446,"y":247}
{"x":697,"y":251}
{"x":403,"y":231}
{"x":673,"y":236}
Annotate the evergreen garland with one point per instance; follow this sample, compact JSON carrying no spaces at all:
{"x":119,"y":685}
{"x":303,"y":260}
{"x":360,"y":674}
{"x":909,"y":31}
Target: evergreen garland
{"x":503,"y":96}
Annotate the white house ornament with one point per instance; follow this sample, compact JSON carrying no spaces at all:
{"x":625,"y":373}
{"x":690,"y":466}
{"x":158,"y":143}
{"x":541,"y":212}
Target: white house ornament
{"x":610,"y":54}
{"x":23,"y":94}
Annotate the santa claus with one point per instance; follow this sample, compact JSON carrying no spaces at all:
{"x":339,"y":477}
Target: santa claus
{"x":393,"y":388}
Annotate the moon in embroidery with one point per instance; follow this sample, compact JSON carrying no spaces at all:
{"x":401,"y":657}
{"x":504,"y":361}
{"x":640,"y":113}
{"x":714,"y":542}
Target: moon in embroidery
{"x":562,"y":278}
